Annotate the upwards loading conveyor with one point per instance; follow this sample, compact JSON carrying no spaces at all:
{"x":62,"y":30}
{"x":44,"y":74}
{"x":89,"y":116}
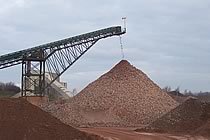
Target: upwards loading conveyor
{"x":54,"y":58}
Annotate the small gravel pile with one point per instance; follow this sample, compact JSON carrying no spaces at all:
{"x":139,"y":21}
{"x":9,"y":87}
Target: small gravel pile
{"x":186,"y":118}
{"x":124,"y":96}
{"x":20,"y":120}
{"x":180,"y":98}
{"x":204,"y":130}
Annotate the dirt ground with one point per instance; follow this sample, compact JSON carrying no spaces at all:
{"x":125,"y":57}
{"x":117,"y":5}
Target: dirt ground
{"x":130,"y":134}
{"x":20,"y":120}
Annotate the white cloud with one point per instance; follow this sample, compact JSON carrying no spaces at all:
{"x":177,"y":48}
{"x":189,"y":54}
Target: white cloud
{"x":7,"y":6}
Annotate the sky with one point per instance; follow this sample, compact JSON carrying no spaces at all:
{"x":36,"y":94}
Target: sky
{"x":168,"y":40}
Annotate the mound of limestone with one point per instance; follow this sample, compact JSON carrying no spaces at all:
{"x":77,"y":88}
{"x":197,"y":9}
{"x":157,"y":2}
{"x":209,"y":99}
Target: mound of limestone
{"x":191,"y":117}
{"x":204,"y":130}
{"x":20,"y":120}
{"x":124,"y":96}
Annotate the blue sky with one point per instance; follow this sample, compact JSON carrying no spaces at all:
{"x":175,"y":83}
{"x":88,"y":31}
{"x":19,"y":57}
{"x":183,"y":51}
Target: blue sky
{"x":168,"y":40}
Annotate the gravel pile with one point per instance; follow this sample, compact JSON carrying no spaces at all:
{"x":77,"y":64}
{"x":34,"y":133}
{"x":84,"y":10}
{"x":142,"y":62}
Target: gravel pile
{"x":20,"y":120}
{"x":124,"y":96}
{"x":180,"y":98}
{"x":204,"y":130}
{"x":186,"y":118}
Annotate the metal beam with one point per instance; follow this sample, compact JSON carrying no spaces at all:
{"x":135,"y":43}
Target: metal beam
{"x":54,"y":58}
{"x":15,"y":58}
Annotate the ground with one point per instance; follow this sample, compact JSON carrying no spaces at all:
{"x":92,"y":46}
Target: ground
{"x":130,"y":134}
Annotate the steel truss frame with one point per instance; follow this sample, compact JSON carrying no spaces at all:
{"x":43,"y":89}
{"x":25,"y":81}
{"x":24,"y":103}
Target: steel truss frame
{"x":52,"y":58}
{"x":55,"y":61}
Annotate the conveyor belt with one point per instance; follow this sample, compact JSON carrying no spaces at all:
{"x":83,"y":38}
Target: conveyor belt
{"x":15,"y":58}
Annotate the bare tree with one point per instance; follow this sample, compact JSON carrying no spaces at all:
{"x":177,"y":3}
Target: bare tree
{"x":8,"y":89}
{"x":167,"y":88}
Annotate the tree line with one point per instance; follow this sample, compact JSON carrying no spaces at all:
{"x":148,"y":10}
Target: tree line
{"x":8,"y":89}
{"x":186,"y":92}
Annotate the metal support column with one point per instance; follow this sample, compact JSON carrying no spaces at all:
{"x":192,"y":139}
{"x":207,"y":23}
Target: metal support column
{"x":33,"y":75}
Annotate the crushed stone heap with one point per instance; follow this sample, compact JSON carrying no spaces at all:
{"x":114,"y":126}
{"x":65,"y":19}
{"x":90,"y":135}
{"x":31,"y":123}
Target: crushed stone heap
{"x":191,"y":115}
{"x":20,"y":120}
{"x":124,"y":96}
{"x":204,"y":130}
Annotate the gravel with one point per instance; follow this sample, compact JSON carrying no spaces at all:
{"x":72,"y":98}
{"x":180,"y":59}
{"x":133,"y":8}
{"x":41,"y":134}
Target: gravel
{"x":124,"y":96}
{"x":185,"y":119}
{"x":20,"y":120}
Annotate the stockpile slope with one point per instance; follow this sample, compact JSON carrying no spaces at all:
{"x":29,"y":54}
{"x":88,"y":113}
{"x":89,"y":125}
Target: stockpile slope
{"x":20,"y":120}
{"x":123,"y":96}
{"x":204,"y":130}
{"x":185,"y":118}
{"x":177,"y":96}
